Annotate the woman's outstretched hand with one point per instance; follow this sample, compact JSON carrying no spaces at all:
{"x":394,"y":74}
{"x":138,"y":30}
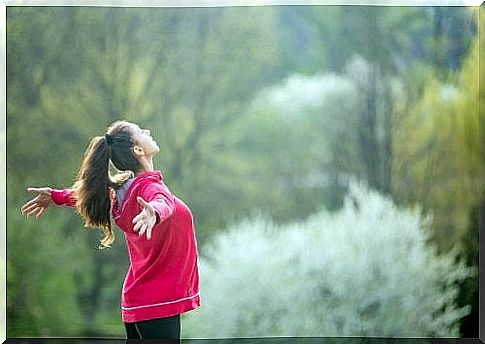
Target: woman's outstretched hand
{"x":39,"y":204}
{"x":145,"y":221}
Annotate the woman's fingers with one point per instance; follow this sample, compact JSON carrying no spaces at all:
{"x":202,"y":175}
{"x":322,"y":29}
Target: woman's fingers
{"x":137,"y":218}
{"x":143,"y":229}
{"x":137,"y":226}
{"x":42,"y":210}
{"x":27,"y":206}
{"x":29,"y":210}
{"x":38,"y":211}
{"x":149,"y":232}
{"x":146,"y":205}
{"x":39,"y":190}
{"x":33,"y":211}
{"x":37,"y":206}
{"x":34,"y":189}
{"x":142,"y":202}
{"x":30,"y":203}
{"x":142,"y":221}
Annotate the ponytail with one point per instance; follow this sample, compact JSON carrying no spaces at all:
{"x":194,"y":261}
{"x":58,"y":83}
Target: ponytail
{"x":92,"y":188}
{"x":94,"y":181}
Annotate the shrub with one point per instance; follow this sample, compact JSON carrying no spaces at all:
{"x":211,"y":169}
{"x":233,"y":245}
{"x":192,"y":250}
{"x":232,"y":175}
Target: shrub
{"x":365,"y":270}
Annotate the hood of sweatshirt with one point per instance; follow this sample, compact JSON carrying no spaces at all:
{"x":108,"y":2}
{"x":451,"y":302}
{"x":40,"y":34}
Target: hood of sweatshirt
{"x":124,"y":211}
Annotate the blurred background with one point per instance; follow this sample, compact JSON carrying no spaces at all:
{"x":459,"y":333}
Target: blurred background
{"x":330,"y":155}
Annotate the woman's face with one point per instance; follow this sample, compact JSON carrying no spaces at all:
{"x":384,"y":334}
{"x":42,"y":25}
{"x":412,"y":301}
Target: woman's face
{"x":144,"y":140}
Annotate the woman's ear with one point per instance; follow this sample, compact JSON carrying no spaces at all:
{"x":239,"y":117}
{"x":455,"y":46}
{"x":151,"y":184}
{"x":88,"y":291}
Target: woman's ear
{"x":138,"y":150}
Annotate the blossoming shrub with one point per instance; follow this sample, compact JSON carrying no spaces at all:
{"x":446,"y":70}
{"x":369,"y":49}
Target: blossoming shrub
{"x":363,"y":271}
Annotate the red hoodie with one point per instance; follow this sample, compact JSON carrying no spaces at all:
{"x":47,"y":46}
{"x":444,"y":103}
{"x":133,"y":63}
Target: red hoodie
{"x":163,"y":277}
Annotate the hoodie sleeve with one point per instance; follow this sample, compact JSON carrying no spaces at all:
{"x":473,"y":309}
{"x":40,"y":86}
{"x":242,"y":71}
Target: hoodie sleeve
{"x":64,"y":197}
{"x":160,"y":197}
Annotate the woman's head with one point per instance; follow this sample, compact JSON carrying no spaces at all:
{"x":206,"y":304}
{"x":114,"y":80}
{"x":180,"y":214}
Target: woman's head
{"x":128,"y":147}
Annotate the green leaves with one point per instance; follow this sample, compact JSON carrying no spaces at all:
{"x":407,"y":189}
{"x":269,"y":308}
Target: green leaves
{"x":437,"y":159}
{"x":254,"y":108}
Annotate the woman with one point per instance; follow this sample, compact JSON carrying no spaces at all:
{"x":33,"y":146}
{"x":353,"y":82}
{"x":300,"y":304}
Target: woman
{"x":162,"y":281}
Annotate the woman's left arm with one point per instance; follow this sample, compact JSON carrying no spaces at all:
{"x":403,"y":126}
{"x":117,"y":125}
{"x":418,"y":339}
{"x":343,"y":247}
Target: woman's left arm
{"x":46,"y":197}
{"x":64,"y":197}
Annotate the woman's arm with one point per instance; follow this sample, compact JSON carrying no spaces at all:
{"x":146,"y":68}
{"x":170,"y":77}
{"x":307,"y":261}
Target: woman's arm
{"x":64,"y":197}
{"x":46,"y":197}
{"x":157,"y":205}
{"x":160,"y":198}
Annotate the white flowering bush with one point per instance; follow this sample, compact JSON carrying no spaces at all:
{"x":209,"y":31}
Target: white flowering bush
{"x":300,"y":94}
{"x":363,"y":271}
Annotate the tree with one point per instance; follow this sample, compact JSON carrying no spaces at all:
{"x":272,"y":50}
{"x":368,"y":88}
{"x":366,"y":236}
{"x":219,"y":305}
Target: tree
{"x":439,"y":164}
{"x":172,"y":70}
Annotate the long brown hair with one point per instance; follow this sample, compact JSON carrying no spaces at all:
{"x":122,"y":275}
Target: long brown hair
{"x":93,"y":182}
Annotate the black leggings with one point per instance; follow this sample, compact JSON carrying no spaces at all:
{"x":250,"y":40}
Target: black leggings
{"x":162,"y":328}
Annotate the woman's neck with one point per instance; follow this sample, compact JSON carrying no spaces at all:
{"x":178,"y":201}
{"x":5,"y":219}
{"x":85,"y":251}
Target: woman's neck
{"x":146,"y":164}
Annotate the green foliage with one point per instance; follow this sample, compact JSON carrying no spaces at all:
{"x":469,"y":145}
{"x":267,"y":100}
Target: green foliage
{"x":85,"y":68}
{"x":365,"y":270}
{"x":42,"y":265}
{"x":291,"y":147}
{"x":437,"y":153}
{"x":206,"y":81}
{"x":439,"y":162}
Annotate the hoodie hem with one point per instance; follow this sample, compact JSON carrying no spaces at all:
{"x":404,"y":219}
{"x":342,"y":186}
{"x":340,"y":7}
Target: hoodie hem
{"x":132,"y":315}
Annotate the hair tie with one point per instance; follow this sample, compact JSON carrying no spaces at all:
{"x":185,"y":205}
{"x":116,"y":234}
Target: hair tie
{"x":109,"y":139}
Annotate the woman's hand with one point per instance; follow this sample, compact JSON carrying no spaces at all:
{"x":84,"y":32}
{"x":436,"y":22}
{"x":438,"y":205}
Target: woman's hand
{"x":39,"y":204}
{"x":145,"y":221}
